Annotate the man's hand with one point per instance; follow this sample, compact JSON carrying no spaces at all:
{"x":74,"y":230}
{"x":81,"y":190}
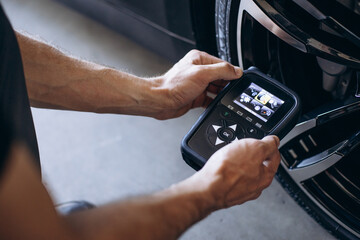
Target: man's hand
{"x":239,"y":171}
{"x":186,"y":84}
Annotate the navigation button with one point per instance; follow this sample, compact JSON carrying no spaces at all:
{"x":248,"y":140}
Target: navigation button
{"x":216,"y":127}
{"x":233,"y":127}
{"x":218,"y":141}
{"x":226,"y":134}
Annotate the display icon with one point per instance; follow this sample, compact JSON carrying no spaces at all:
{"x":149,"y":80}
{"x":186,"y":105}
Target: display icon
{"x":263,"y":97}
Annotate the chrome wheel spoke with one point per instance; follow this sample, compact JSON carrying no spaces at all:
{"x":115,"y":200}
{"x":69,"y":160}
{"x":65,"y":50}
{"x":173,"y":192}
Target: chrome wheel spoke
{"x":302,"y":173}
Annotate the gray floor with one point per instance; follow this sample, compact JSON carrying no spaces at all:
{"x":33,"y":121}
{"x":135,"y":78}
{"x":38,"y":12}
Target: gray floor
{"x":103,"y":157}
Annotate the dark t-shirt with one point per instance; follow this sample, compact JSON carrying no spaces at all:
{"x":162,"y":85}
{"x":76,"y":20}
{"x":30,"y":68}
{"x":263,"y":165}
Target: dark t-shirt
{"x":16,"y":122}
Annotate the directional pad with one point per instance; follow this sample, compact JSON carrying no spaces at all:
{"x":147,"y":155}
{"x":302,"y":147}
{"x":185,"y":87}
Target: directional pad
{"x":223,"y":132}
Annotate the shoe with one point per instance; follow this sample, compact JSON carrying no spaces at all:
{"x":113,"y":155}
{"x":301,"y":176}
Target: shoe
{"x":73,"y":206}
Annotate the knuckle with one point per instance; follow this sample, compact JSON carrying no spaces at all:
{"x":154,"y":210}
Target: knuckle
{"x":194,"y":51}
{"x":255,"y":195}
{"x":226,"y":66}
{"x":195,"y":56}
{"x":223,"y":64}
{"x":259,"y":147}
{"x":249,"y":142}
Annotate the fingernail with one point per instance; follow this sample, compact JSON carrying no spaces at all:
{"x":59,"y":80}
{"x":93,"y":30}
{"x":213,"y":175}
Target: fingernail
{"x":238,"y":71}
{"x":277,"y":140}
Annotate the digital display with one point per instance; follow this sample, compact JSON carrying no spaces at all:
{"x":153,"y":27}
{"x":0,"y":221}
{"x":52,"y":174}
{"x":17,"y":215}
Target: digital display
{"x":259,"y":102}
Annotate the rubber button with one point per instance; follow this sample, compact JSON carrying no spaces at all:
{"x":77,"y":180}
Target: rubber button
{"x":252,"y":131}
{"x":227,"y":134}
{"x":225,"y":114}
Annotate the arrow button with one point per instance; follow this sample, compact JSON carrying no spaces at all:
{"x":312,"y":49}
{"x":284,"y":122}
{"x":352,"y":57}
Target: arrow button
{"x":218,"y":141}
{"x":216,"y":127}
{"x":233,"y":127}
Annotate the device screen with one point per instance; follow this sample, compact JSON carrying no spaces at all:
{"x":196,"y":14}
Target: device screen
{"x":258,"y":102}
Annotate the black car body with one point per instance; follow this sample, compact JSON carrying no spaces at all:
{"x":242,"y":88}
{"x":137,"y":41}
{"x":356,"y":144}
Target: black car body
{"x":170,"y":28}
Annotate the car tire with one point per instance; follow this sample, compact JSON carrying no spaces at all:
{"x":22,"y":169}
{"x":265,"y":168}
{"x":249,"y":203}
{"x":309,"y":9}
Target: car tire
{"x":338,"y":224}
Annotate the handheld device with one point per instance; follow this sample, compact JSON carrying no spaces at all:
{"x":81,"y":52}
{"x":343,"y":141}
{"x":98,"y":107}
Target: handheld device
{"x":251,"y":107}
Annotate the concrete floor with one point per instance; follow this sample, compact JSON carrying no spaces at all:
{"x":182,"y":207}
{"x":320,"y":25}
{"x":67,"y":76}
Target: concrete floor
{"x":104,"y":157}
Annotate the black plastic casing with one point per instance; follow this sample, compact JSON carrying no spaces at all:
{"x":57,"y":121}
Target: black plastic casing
{"x":283,"y":122}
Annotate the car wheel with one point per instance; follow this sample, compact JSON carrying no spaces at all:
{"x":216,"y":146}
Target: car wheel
{"x":320,"y":156}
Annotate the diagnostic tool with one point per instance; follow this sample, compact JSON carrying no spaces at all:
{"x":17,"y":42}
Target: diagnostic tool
{"x":251,"y":107}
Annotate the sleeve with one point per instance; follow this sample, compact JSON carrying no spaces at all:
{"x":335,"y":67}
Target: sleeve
{"x":5,"y":141}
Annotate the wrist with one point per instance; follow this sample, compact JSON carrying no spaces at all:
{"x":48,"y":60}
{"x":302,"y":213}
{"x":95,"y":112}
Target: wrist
{"x":198,"y":190}
{"x":123,"y":93}
{"x":158,"y":99}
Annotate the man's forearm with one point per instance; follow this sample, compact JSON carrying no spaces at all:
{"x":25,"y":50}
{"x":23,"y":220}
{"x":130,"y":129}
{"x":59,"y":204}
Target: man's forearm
{"x":164,"y":215}
{"x":28,"y":212}
{"x":56,"y":80}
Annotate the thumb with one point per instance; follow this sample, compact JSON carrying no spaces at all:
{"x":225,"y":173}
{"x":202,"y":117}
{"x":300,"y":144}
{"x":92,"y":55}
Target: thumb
{"x":221,"y":70}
